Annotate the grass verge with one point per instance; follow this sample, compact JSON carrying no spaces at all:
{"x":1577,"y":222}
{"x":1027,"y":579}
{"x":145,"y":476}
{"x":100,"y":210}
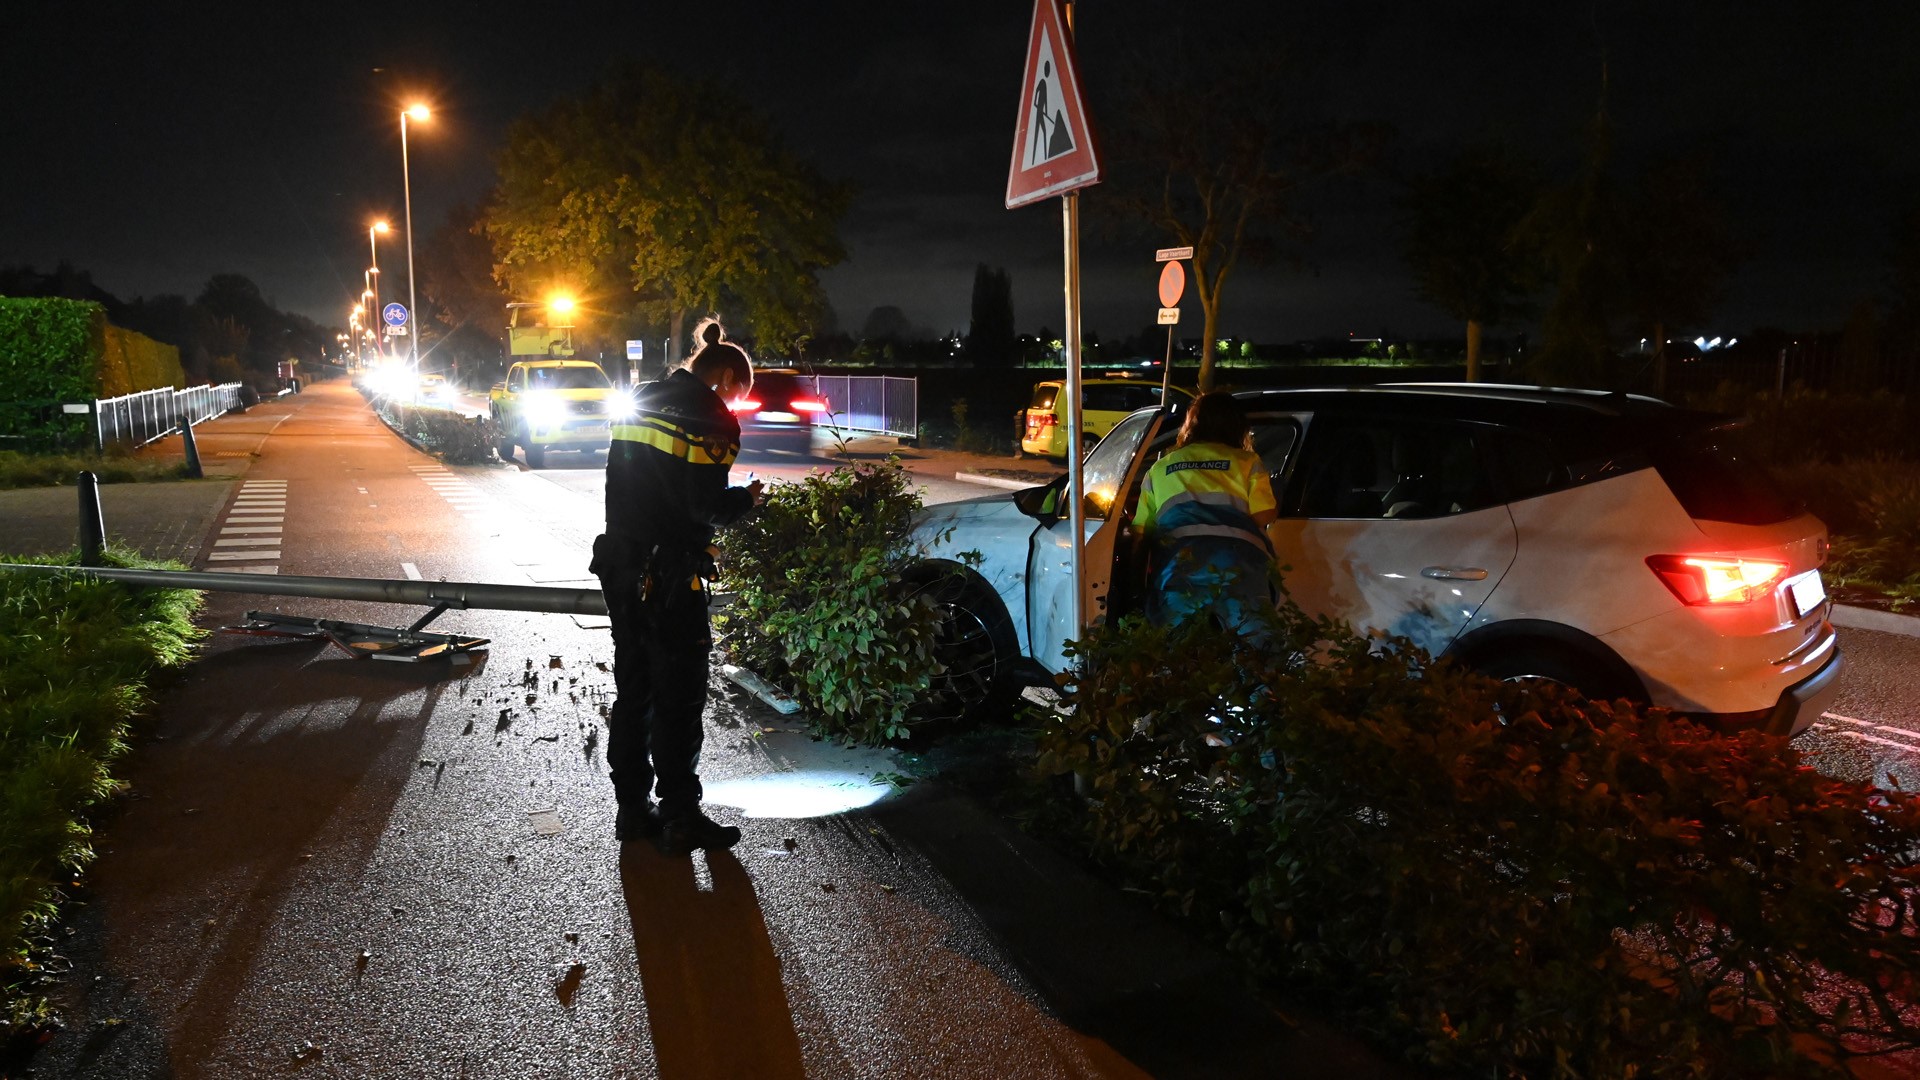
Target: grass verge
{"x":18,"y":470}
{"x":76,"y":655}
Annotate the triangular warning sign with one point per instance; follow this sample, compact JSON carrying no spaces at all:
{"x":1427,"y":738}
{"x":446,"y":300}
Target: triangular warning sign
{"x":1053,"y":147}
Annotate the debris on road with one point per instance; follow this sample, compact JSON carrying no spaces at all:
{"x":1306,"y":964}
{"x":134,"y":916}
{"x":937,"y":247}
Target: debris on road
{"x":778,"y":699}
{"x":569,"y":984}
{"x":554,"y":662}
{"x":546,"y":822}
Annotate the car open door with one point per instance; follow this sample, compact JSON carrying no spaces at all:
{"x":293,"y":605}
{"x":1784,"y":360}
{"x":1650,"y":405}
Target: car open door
{"x":1109,"y":472}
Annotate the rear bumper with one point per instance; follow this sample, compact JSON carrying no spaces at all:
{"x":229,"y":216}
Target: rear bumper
{"x":1803,"y":702}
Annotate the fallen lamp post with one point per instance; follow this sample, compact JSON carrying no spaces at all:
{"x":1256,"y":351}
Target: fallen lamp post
{"x":408,"y":643}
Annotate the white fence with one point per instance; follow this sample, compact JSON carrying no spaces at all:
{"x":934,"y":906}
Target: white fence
{"x":135,"y":420}
{"x":882,"y":404}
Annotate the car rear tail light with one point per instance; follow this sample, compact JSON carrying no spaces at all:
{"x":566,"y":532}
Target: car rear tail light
{"x":1713,"y":579}
{"x":744,"y":405}
{"x":809,"y":405}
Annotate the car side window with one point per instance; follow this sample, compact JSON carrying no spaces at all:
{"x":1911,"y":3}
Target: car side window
{"x":1043,"y":397}
{"x":1106,"y":467}
{"x":1274,"y":441}
{"x":1530,"y":463}
{"x":1388,"y":467}
{"x":516,"y":379}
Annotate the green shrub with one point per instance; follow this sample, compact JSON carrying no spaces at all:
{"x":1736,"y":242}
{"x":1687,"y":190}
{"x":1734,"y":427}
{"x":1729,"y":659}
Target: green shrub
{"x":1503,"y":881}
{"x":19,"y":470}
{"x":455,"y":437}
{"x":822,"y":603}
{"x":1812,"y":425}
{"x":75,"y":657}
{"x":1871,"y":507}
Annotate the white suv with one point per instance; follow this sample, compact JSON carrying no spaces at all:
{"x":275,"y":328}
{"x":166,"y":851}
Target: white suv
{"x":1611,"y":542}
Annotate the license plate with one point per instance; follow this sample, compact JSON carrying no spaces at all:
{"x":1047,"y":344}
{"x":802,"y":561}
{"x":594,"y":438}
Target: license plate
{"x":1807,"y":592}
{"x":779,"y":417}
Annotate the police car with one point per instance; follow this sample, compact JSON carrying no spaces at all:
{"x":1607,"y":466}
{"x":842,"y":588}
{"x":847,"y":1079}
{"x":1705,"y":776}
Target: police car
{"x":1613,"y":543}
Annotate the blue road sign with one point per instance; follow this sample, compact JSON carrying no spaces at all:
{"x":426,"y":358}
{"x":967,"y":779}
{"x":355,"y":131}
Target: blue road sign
{"x":394,"y":314}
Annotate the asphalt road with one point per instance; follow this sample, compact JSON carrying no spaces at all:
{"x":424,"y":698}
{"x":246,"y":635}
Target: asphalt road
{"x":346,"y":867}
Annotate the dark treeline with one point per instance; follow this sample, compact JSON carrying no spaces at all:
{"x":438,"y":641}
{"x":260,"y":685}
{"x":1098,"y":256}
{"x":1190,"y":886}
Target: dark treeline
{"x":229,"y":333}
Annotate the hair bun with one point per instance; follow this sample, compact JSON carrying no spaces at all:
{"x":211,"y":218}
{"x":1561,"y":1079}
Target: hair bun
{"x":710,"y":333}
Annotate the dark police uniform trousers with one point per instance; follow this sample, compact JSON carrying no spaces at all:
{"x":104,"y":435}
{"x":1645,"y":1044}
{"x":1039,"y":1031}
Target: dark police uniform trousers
{"x":666,"y":492}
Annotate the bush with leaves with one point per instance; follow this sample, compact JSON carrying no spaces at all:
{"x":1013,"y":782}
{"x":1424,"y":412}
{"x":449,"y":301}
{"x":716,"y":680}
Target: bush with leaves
{"x":1511,"y":881}
{"x":75,"y":657}
{"x":824,"y":602}
{"x":455,"y":437}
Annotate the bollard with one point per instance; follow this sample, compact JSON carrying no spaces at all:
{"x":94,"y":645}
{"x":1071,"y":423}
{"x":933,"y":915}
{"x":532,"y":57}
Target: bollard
{"x":93,"y":528}
{"x":193,"y":450}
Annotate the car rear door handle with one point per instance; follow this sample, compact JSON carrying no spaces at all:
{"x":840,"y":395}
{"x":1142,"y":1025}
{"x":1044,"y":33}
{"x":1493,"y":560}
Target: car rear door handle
{"x":1454,"y":573}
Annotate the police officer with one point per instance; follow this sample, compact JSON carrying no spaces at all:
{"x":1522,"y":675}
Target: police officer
{"x":1204,"y":509}
{"x":666,"y":493}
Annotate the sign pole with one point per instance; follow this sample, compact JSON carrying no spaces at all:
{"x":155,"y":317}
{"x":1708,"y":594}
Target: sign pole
{"x":1077,"y":509}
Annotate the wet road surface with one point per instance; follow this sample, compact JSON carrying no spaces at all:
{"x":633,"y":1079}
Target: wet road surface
{"x":345,"y":867}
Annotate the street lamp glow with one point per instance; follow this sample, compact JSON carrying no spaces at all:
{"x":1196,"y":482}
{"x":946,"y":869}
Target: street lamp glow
{"x":380,"y":226}
{"x":561,"y":304}
{"x":417,"y":111}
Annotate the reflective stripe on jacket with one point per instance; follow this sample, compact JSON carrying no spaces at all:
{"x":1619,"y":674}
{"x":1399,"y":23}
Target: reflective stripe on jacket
{"x":1205,"y":489}
{"x":667,"y":467}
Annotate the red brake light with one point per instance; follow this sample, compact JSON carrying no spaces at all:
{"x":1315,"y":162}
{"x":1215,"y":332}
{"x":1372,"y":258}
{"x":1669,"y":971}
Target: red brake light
{"x":743,"y":405}
{"x":809,"y":405}
{"x":1712,"y":579}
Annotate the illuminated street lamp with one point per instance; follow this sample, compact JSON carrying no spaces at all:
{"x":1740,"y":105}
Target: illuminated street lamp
{"x":418,"y":112}
{"x":373,"y":272}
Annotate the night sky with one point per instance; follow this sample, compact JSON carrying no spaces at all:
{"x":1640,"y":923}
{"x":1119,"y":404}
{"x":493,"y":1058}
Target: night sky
{"x":158,"y":144}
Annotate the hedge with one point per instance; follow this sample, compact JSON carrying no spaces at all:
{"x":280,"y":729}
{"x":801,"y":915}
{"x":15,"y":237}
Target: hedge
{"x":1499,"y":880}
{"x":55,"y":351}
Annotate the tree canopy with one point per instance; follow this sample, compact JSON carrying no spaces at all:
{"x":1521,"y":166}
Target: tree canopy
{"x":666,"y":195}
{"x":1213,"y":159}
{"x":1462,"y":239}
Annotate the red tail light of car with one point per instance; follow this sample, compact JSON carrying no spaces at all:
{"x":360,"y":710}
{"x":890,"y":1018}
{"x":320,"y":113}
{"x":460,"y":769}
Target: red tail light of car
{"x":1712,"y":579}
{"x":744,"y":405}
{"x":809,"y":405}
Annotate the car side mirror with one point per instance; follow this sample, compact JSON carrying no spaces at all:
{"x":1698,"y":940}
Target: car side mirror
{"x":1042,"y":503}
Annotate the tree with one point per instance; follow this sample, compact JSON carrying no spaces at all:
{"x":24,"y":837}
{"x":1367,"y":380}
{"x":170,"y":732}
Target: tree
{"x":669,"y":196}
{"x":1212,"y":161}
{"x":1462,"y":240}
{"x":886,"y":324}
{"x":990,"y":330}
{"x":459,"y":297}
{"x":1680,"y":250}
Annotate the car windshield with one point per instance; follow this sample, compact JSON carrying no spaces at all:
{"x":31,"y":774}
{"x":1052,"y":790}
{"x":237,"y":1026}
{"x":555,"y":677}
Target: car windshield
{"x":566,"y":378}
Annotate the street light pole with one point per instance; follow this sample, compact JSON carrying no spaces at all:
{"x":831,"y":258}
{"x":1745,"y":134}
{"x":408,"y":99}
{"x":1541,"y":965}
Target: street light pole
{"x":418,"y":112}
{"x":373,"y":273}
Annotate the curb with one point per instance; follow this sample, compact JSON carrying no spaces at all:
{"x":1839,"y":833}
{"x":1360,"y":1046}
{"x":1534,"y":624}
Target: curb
{"x":1003,"y":482}
{"x":1859,"y":618}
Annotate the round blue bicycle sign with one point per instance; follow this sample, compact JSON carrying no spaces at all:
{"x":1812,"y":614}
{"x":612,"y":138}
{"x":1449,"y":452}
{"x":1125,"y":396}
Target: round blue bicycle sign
{"x":394,"y":314}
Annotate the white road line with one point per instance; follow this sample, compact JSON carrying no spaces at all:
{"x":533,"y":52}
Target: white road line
{"x":253,"y":569}
{"x":412,"y":571}
{"x":236,"y":556}
{"x":250,"y":530}
{"x":271,"y":520}
{"x":1888,"y":728}
{"x":256,"y":541}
